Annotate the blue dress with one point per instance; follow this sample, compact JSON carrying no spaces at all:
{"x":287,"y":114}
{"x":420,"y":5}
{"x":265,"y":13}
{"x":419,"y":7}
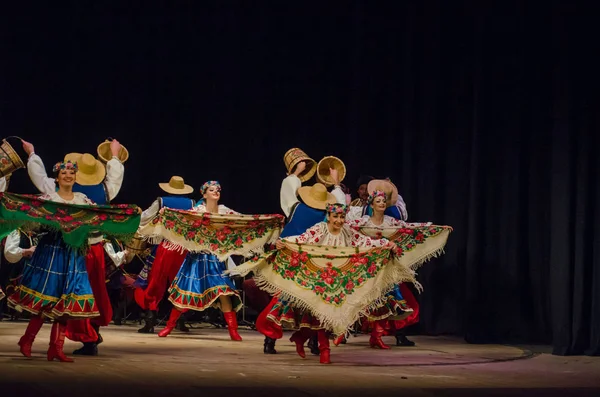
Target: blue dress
{"x":200,"y":280}
{"x":55,"y":282}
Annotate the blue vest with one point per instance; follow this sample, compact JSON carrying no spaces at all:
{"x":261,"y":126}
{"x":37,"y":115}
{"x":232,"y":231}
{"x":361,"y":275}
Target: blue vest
{"x":303,"y":217}
{"x":96,"y":193}
{"x":176,"y":203}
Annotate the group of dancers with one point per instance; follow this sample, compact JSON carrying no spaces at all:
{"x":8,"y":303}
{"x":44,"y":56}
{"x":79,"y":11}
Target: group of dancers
{"x":66,"y":284}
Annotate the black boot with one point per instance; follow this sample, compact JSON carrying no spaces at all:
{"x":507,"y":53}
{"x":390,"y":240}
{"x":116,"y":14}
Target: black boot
{"x":313,"y":345}
{"x":181,"y":325}
{"x":402,"y":340}
{"x":120,"y":311}
{"x":269,"y":346}
{"x":88,"y":349}
{"x":148,"y":327}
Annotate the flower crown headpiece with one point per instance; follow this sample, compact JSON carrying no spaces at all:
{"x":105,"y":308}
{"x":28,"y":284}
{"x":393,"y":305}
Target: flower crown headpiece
{"x":208,"y":184}
{"x":336,"y":208}
{"x":374,"y":195}
{"x":65,"y":165}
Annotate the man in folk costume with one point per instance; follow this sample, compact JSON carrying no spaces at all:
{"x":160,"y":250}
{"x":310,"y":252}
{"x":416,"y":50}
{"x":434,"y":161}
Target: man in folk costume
{"x":361,"y":189}
{"x":166,"y":262}
{"x":101,"y":185}
{"x":304,"y":207}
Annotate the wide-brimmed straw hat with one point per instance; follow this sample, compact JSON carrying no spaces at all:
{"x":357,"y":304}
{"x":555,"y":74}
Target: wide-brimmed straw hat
{"x":295,"y":156}
{"x":386,"y":186}
{"x":316,"y":196}
{"x":176,"y":186}
{"x":90,"y":170}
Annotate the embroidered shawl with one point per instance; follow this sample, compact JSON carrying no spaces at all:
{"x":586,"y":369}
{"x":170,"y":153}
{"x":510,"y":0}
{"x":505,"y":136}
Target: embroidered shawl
{"x":417,"y":242}
{"x":337,"y":284}
{"x":220,"y":234}
{"x":74,"y":221}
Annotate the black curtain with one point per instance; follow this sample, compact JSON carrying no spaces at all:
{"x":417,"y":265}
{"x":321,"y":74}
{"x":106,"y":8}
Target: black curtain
{"x":485,"y":114}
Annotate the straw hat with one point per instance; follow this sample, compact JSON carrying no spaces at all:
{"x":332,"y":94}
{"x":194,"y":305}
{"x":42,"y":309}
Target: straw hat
{"x":323,"y":170}
{"x":91,"y":171}
{"x":295,"y":156}
{"x":386,"y":186}
{"x":105,"y":154}
{"x":176,"y":186}
{"x":316,"y":196}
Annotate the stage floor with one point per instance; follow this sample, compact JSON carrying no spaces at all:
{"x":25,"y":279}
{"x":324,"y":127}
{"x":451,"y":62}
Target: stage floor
{"x":206,"y":361}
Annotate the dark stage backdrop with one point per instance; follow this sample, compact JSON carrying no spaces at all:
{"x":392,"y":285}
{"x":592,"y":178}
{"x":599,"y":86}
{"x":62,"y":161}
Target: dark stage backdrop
{"x":485,"y":116}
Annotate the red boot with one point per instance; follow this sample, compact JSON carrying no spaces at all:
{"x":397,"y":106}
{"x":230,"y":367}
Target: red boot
{"x":378,"y":331}
{"x":299,"y":338}
{"x":339,"y":339}
{"x":57,"y":342}
{"x":30,"y":333}
{"x":323,"y":347}
{"x":230,"y":318}
{"x":172,"y":323}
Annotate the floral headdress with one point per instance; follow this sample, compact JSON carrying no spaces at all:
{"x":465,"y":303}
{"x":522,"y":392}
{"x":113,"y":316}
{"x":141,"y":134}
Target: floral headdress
{"x":336,"y":208}
{"x":375,"y":194}
{"x":208,"y":184}
{"x":65,"y":165}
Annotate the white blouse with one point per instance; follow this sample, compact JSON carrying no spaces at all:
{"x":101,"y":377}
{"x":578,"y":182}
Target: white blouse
{"x":115,"y":172}
{"x":319,"y":234}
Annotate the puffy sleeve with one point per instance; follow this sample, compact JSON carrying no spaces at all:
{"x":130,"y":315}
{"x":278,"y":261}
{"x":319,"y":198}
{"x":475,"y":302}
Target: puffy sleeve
{"x":227,"y":211}
{"x":12,"y":252}
{"x":340,"y":196}
{"x":357,"y":223}
{"x":39,"y":177}
{"x":391,"y":221}
{"x":360,"y":240}
{"x":115,"y":171}
{"x":310,"y":236}
{"x":150,"y":213}
{"x":401,"y":205}
{"x":2,"y":184}
{"x":199,"y":208}
{"x":354,"y":213}
{"x":118,"y":258}
{"x":287,"y":194}
{"x":84,"y":199}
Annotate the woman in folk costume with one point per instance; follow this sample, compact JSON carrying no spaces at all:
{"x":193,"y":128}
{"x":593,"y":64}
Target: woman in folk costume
{"x":201,"y":275}
{"x":165,"y":263}
{"x":101,"y":185}
{"x":402,"y":302}
{"x":332,"y":232}
{"x":56,"y":274}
